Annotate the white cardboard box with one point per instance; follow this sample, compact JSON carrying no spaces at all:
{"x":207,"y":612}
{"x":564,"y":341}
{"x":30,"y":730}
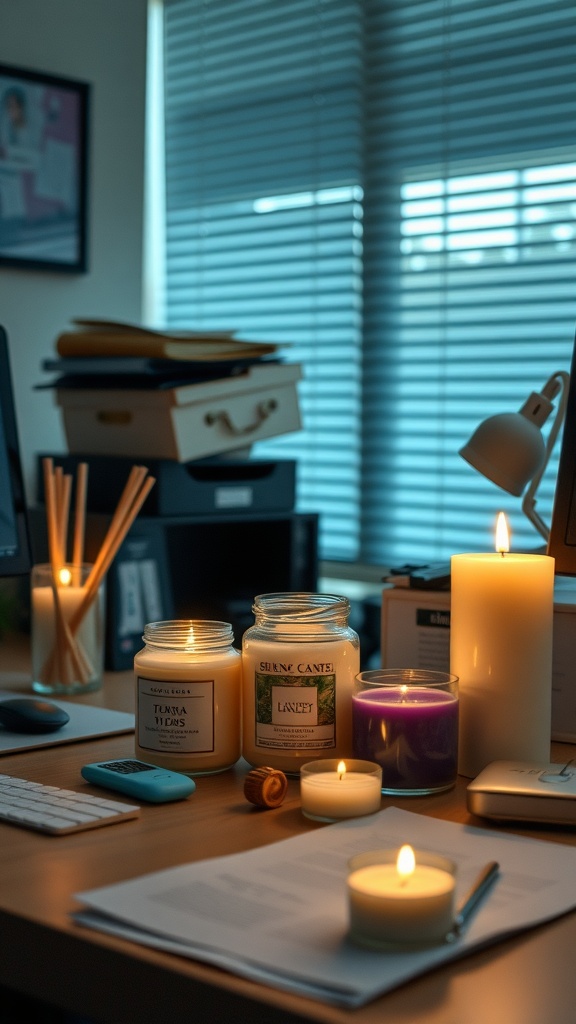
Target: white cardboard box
{"x":416,"y":634}
{"x":183,"y":423}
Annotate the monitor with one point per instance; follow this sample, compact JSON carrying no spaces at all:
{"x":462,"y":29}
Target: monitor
{"x":562,"y":540}
{"x":15,"y":548}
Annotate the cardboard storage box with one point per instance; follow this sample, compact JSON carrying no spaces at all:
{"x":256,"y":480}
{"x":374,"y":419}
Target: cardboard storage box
{"x":183,"y":423}
{"x":416,"y":634}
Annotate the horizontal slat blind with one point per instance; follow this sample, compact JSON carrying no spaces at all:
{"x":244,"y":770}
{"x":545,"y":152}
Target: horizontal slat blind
{"x":388,"y":189}
{"x":470,"y":267}
{"x":264,"y":145}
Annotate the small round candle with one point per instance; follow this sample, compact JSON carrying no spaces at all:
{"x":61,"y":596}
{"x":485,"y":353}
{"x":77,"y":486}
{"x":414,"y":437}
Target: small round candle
{"x":399,"y":898}
{"x":331,"y":790}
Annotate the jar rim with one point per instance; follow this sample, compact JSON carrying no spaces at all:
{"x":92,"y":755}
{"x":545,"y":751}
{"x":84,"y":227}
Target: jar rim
{"x":188,"y":632}
{"x":300,"y":604}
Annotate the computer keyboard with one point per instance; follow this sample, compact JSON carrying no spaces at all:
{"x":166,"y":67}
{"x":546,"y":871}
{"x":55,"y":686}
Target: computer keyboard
{"x":57,"y":811}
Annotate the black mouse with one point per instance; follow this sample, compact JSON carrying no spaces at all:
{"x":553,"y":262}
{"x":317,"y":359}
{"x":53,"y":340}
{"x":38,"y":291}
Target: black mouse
{"x":31,"y":715}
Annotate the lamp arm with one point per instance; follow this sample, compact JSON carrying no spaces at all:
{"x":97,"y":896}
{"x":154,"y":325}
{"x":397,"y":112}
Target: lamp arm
{"x":558,"y":379}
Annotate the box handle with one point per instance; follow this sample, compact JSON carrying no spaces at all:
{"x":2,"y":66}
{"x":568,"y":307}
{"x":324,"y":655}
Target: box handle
{"x":263,"y":411}
{"x":114,"y":418}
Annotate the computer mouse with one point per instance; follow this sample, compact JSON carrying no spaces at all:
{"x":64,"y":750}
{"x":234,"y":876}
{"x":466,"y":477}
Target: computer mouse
{"x":31,"y":715}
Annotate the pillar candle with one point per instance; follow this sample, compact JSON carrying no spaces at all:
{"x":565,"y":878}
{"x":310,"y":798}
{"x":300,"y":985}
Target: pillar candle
{"x":501,"y":620}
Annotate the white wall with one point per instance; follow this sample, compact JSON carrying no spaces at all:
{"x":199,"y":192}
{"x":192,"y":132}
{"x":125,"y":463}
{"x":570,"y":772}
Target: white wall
{"x":102,"y":42}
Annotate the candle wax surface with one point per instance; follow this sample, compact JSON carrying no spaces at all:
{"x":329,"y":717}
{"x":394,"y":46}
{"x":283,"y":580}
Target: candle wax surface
{"x":413,"y":736}
{"x":330,"y":796}
{"x":385,"y":909}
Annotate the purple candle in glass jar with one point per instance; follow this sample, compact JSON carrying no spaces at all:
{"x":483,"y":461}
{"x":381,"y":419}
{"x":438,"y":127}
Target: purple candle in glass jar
{"x":406,"y":720}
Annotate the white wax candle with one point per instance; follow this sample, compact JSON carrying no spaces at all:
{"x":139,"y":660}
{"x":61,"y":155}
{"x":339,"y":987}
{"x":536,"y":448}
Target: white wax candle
{"x":331,"y":794}
{"x":501,"y":621}
{"x":387,"y":908}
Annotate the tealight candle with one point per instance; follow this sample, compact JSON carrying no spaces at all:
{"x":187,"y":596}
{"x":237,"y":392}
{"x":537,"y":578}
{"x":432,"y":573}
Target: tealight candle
{"x":400,"y":898}
{"x":501,"y":623}
{"x":331,"y":790}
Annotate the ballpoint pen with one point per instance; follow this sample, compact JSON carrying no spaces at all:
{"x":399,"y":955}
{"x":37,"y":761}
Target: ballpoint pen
{"x":470,"y":901}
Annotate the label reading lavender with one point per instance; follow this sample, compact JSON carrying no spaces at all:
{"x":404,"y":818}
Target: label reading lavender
{"x":295,"y":711}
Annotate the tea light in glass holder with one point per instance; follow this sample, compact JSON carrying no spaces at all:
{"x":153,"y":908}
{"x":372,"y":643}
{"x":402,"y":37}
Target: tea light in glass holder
{"x":400,"y":898}
{"x":331,"y":790}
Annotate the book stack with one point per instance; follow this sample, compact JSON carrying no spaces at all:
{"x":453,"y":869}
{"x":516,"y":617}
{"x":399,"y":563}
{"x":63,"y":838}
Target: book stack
{"x":112,"y":354}
{"x":130,"y":390}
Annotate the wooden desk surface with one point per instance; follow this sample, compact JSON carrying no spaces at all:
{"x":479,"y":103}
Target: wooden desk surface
{"x":526,"y":980}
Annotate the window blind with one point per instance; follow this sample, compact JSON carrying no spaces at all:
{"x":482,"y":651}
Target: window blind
{"x":387,"y":189}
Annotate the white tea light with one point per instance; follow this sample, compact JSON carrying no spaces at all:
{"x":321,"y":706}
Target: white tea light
{"x":331,"y":790}
{"x":400,"y":898}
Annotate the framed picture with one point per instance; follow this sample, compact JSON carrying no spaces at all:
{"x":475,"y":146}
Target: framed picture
{"x":43,"y":170}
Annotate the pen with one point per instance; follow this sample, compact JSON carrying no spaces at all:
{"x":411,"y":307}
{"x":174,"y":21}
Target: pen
{"x":480,"y":887}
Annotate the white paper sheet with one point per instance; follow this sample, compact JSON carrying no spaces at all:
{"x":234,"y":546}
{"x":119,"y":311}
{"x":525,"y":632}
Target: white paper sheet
{"x":279,"y":914}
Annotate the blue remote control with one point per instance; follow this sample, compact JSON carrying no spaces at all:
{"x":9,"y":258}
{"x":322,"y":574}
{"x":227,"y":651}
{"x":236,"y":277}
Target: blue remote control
{"x":140,"y":780}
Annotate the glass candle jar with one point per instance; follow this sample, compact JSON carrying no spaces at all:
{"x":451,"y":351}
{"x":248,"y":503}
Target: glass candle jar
{"x":406,"y":720}
{"x":188,"y":696}
{"x":299,"y":661}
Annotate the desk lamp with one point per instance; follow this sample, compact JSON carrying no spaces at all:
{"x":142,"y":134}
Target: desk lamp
{"x":510,"y":450}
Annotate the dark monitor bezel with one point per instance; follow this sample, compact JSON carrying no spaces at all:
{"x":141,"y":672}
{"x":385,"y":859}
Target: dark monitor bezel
{"x":562,"y":539}
{"x":20,"y":562}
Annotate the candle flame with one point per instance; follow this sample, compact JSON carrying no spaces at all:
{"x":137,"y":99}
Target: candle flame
{"x":502,"y":534}
{"x":64,"y":577}
{"x":341,"y":769}
{"x":403,"y":691}
{"x":405,"y":863}
{"x":190,"y":640}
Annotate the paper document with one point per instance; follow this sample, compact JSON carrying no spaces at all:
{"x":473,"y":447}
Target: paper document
{"x":279,"y":914}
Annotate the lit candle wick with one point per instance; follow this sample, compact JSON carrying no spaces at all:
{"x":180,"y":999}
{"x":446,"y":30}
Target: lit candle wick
{"x":405,"y":864}
{"x":341,"y":770}
{"x":502,"y":535}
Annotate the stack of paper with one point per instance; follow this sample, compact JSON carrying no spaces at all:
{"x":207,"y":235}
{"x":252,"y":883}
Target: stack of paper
{"x":279,"y":914}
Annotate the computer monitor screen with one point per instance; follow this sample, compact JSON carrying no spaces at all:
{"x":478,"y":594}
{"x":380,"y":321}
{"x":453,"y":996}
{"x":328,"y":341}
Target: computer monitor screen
{"x":15,"y":551}
{"x":562,"y":541}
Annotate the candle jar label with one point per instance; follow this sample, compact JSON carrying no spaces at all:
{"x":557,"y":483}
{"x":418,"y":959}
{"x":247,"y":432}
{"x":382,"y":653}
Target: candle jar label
{"x":177,"y":718}
{"x":292,"y":711}
{"x":406,"y":720}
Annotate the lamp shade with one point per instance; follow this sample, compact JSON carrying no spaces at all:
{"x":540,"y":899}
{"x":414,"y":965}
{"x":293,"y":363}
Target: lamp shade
{"x":508,"y":449}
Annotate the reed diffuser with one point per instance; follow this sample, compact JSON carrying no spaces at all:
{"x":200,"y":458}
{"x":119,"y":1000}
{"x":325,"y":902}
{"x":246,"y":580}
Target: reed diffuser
{"x":67,"y":642}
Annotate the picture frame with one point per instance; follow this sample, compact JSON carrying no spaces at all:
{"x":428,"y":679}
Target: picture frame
{"x":43,"y":170}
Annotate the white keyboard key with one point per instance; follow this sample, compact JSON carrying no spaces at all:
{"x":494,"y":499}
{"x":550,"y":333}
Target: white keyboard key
{"x":57,"y":811}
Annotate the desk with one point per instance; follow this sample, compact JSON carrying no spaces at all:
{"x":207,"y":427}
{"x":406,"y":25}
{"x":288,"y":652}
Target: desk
{"x":526,"y":980}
